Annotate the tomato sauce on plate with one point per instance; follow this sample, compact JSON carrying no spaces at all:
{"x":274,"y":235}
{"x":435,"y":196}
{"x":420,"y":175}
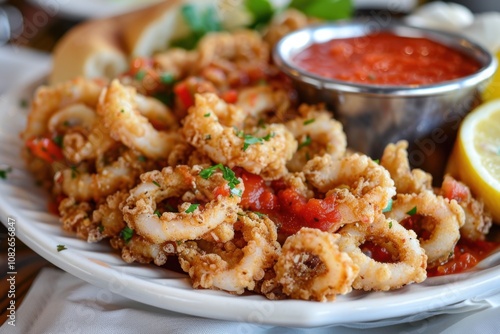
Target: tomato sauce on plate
{"x":291,"y":211}
{"x":385,"y":58}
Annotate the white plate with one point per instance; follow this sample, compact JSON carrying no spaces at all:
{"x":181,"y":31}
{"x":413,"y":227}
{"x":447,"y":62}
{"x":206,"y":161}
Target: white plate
{"x":22,"y":201}
{"x":77,"y":9}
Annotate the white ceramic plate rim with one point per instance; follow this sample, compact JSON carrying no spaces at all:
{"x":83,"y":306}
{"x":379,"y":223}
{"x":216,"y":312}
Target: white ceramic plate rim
{"x":23,"y":201}
{"x":74,"y":9}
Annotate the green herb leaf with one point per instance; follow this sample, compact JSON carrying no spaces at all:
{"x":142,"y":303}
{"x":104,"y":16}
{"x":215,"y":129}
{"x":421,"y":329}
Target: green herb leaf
{"x":156,"y":184}
{"x":227,"y":174}
{"x":388,"y":208}
{"x":58,"y":140}
{"x":142,"y":158}
{"x":325,"y":9}
{"x":412,"y":211}
{"x":390,"y":224}
{"x":23,"y":103}
{"x":101,"y":228}
{"x":167,"y":78}
{"x":192,"y":207}
{"x":305,"y":143}
{"x":4,"y":172}
{"x":207,"y":115}
{"x":126,"y":234}
{"x":261,"y":10}
{"x":157,"y":212}
{"x":377,"y":161}
{"x":309,"y":121}
{"x":140,"y":75}
{"x":61,"y":248}
{"x":74,"y":172}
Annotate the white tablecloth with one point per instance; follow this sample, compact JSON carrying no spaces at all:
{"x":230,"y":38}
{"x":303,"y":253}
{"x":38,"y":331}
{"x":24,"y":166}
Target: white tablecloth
{"x":61,"y":303}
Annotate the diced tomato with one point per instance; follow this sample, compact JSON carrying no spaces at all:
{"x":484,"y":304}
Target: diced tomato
{"x":230,"y":96}
{"x":257,"y":195}
{"x":139,"y":64}
{"x":184,"y":94}
{"x":45,"y":148}
{"x":222,"y":190}
{"x":453,"y":189}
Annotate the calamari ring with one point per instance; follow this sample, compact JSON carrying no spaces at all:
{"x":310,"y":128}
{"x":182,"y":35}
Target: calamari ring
{"x":381,"y":276}
{"x":320,"y":131}
{"x":311,"y":266}
{"x":192,"y":221}
{"x":119,"y":108}
{"x":50,"y":99}
{"x":85,"y":186}
{"x":138,"y":249}
{"x":443,"y":219}
{"x":407,"y":181}
{"x":232,"y":267}
{"x":361,"y":186}
{"x":223,"y":144}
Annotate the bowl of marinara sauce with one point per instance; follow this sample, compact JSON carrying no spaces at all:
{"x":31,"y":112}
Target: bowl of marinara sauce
{"x":386,"y":83}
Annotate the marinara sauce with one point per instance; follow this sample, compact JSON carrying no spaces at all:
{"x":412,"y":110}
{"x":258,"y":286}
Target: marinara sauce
{"x":386,"y":59}
{"x":291,"y":211}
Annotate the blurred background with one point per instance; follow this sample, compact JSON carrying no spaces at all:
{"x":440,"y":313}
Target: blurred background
{"x":39,"y":24}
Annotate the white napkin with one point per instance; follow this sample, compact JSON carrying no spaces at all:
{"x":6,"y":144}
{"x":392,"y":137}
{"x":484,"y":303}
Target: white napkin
{"x":61,"y":303}
{"x":19,"y":64}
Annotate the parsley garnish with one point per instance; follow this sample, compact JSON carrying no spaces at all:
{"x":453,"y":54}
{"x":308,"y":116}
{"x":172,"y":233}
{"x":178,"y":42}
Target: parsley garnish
{"x":192,"y":207}
{"x":167,"y":78}
{"x":412,"y":211}
{"x":207,"y":115}
{"x":101,"y":228}
{"x":126,"y":234}
{"x":390,"y":224}
{"x":377,"y":161}
{"x":140,"y":75}
{"x":58,"y":140}
{"x":227,"y":174}
{"x":122,"y":111}
{"x":74,"y":172}
{"x":250,"y":140}
{"x":388,"y":208}
{"x":23,"y":103}
{"x":142,"y":158}
{"x":4,"y":172}
{"x":61,"y":248}
{"x":306,"y":142}
{"x":156,"y":184}
{"x":208,"y":137}
{"x":157,"y":212}
{"x":309,"y":121}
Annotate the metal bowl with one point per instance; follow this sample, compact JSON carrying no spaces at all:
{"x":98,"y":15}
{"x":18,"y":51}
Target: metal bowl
{"x":375,"y":115}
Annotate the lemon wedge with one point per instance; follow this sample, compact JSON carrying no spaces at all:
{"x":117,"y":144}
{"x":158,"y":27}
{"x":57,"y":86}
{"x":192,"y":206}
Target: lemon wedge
{"x":492,"y":90}
{"x":476,"y":156}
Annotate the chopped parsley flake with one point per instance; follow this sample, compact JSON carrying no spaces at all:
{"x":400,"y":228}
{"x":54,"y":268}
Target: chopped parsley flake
{"x":4,"y":172}
{"x":142,"y":158}
{"x":126,"y":234}
{"x":388,"y":208}
{"x":23,"y":103}
{"x":156,"y":184}
{"x":74,"y":172}
{"x":377,"y":161}
{"x":101,"y":228}
{"x":306,"y":142}
{"x":412,"y":211}
{"x":140,"y":75}
{"x":207,"y":115}
{"x":167,"y":78}
{"x":250,"y":140}
{"x":122,"y":111}
{"x":61,"y":248}
{"x":227,"y":174}
{"x":58,"y":140}
{"x":208,"y":137}
{"x":157,"y":212}
{"x":309,"y":121}
{"x":192,"y":207}
{"x":390,"y":224}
